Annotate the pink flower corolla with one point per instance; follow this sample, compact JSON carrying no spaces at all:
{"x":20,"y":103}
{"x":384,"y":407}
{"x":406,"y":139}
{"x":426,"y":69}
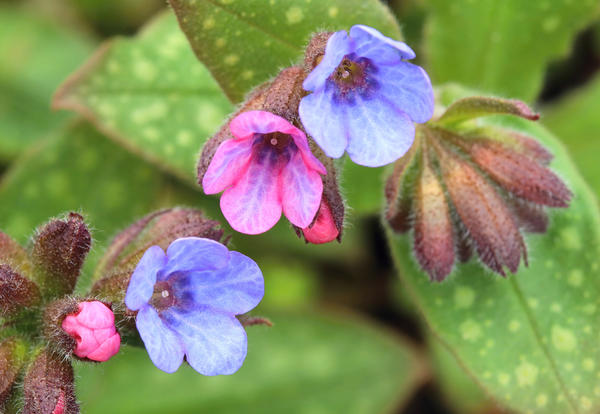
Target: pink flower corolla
{"x":266,"y":169}
{"x":93,"y":329}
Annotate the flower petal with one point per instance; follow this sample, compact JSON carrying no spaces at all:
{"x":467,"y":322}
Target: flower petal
{"x":253,"y":204}
{"x":229,"y":162}
{"x":325,"y":121}
{"x":408,"y":88}
{"x":248,"y":123}
{"x":194,"y":253}
{"x":215,"y":342}
{"x":164,"y":347}
{"x":235,"y":288}
{"x":301,"y":190}
{"x":338,"y":45}
{"x":371,"y":44}
{"x":380,"y":134}
{"x":141,"y":284}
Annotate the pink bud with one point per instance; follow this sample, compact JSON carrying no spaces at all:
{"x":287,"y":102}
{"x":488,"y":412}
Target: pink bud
{"x":93,"y":328}
{"x":323,"y":229}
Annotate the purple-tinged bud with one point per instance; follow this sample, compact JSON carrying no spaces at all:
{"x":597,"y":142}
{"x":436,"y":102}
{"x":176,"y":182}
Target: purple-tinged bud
{"x":399,"y":189}
{"x":49,"y":386}
{"x":477,"y":187}
{"x":13,"y":254}
{"x":434,"y":244}
{"x":12,"y":354}
{"x":16,"y":292}
{"x":160,"y":228}
{"x":54,"y":314}
{"x":59,"y":250}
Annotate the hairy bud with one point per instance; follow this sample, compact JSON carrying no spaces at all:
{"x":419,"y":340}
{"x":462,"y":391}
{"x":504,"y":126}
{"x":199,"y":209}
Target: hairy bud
{"x":49,"y":387}
{"x":16,"y":292}
{"x":473,"y":188}
{"x":12,"y":353}
{"x":59,"y":250}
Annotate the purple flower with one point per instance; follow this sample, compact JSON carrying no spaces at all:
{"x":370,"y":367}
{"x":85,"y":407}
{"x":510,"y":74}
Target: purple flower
{"x":187,"y":300}
{"x":365,"y":98}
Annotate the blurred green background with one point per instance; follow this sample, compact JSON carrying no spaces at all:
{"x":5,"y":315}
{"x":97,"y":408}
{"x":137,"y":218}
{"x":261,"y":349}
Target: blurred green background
{"x":346,"y":337}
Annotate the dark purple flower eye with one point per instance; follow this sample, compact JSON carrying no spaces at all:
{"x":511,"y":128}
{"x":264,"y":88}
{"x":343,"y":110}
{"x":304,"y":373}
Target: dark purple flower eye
{"x":187,"y":301}
{"x":365,"y":98}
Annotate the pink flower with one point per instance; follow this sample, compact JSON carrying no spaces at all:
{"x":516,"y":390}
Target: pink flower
{"x":323,"y":230}
{"x":266,"y":168}
{"x":93,"y":328}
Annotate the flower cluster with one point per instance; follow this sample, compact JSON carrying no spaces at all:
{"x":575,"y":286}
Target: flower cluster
{"x":356,"y":94}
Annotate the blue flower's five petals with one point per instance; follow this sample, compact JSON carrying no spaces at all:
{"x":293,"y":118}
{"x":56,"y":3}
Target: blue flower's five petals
{"x":338,"y":45}
{"x":253,"y":204}
{"x":408,"y":88}
{"x":164,"y":347}
{"x":235,"y":289}
{"x":141,"y":285}
{"x":325,"y":121}
{"x":229,"y":162}
{"x":380,"y":133}
{"x":215,"y":343}
{"x":194,"y":253}
{"x":301,"y":194}
{"x":371,"y":44}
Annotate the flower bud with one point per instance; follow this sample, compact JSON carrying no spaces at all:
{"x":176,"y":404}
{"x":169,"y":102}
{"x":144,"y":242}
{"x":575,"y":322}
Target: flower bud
{"x":474,"y":188}
{"x":12,"y":353}
{"x":48,"y":386}
{"x":323,"y":229}
{"x":16,"y":292}
{"x":93,"y":328}
{"x":59,"y":250}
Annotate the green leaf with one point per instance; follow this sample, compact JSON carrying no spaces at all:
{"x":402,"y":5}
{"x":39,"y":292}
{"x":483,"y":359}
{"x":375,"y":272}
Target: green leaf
{"x":150,"y":94}
{"x":245,"y":42}
{"x":77,"y":169}
{"x":306,"y":363}
{"x":530,"y":340}
{"x":503,"y":46}
{"x":575,"y":120}
{"x":36,"y":55}
{"x":458,"y":389}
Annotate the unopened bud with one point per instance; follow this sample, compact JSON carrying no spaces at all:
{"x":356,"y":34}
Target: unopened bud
{"x":16,"y":292}
{"x":59,"y":250}
{"x":48,"y":386}
{"x":93,"y":328}
{"x":12,"y":353}
{"x":323,"y":229}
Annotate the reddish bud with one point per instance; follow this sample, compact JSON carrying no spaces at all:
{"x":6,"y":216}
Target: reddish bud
{"x":434,"y":244}
{"x":399,"y":191}
{"x":49,"y":387}
{"x":323,"y":229}
{"x":12,"y":352}
{"x":476,"y":188}
{"x":13,"y":254}
{"x":93,"y":328}
{"x":16,"y":292}
{"x":484,"y":214}
{"x":59,"y":250}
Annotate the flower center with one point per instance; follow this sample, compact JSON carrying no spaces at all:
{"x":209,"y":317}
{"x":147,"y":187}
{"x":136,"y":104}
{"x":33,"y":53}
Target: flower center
{"x":277,"y":140}
{"x":163,"y":297}
{"x":350,"y":73}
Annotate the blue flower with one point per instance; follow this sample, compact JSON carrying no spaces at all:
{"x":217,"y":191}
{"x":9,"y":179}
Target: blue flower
{"x":365,"y":98}
{"x":187,"y":300}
